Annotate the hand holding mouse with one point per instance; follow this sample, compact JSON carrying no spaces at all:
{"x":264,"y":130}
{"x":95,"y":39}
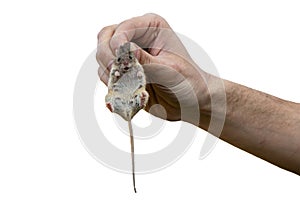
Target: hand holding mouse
{"x":256,"y":122}
{"x":165,"y":61}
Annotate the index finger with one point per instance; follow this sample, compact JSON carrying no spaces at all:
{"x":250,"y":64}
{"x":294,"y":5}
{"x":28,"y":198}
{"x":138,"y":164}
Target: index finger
{"x":104,"y":53}
{"x":141,"y":30}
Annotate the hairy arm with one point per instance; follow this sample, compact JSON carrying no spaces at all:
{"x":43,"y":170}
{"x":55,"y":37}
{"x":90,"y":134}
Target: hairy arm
{"x":261,"y":124}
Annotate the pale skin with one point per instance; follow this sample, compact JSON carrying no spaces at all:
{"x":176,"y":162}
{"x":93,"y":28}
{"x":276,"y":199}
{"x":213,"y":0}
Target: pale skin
{"x":258,"y":123}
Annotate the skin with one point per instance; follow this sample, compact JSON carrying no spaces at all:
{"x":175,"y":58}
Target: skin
{"x":258,"y":123}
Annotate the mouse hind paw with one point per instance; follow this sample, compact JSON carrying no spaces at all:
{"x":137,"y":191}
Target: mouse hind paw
{"x":142,"y":99}
{"x":109,"y":106}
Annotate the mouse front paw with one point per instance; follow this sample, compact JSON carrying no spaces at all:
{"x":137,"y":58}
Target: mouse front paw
{"x":117,"y":74}
{"x":139,"y":74}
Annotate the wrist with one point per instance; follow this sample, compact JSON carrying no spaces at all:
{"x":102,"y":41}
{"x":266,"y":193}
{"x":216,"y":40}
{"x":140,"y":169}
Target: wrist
{"x":199,"y":106}
{"x":212,"y":104}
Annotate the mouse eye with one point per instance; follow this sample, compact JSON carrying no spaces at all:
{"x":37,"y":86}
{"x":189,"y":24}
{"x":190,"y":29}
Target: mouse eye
{"x":131,"y":102}
{"x":130,"y":57}
{"x":119,"y":59}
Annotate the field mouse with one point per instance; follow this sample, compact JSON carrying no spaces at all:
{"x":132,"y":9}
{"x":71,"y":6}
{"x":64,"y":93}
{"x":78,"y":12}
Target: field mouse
{"x":127,"y":90}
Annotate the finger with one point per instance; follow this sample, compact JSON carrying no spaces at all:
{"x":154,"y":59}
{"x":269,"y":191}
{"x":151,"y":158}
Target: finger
{"x":142,"y":56}
{"x":104,"y":53}
{"x":103,"y":75}
{"x":141,"y":30}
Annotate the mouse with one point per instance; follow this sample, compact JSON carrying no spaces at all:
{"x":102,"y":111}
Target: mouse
{"x":127,"y":93}
{"x":124,"y":61}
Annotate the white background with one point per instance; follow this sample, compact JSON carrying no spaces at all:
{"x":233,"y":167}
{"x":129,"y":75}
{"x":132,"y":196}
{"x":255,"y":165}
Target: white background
{"x":42,"y":47}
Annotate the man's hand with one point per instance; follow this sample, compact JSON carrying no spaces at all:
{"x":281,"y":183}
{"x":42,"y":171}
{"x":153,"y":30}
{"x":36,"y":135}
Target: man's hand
{"x":175,"y":82}
{"x":258,"y":123}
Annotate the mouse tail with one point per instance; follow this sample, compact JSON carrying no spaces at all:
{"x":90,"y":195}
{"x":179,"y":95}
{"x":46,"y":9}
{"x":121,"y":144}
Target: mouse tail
{"x":132,"y":153}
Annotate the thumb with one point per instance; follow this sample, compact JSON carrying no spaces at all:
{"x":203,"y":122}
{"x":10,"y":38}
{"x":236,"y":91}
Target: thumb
{"x":154,"y":68}
{"x":143,"y":56}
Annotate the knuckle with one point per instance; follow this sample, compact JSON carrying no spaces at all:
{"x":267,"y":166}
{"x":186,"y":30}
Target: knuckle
{"x":153,"y":15}
{"x":102,"y":78}
{"x":127,"y":21}
{"x":102,"y":75}
{"x":100,"y":72}
{"x":156,"y":18}
{"x":99,"y":54}
{"x":102,"y":31}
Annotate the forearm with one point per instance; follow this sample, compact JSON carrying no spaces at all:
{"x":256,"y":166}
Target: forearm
{"x":261,"y":124}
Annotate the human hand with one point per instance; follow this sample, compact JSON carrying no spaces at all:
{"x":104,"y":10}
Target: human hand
{"x":174,"y":80}
{"x":180,"y":86}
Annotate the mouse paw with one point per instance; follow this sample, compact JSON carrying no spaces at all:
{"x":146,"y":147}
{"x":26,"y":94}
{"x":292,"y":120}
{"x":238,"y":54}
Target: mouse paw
{"x":109,"y":106}
{"x":139,"y":74}
{"x":117,"y":74}
{"x":142,"y":99}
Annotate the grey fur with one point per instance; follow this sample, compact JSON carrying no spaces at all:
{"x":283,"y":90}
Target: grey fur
{"x":127,"y":90}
